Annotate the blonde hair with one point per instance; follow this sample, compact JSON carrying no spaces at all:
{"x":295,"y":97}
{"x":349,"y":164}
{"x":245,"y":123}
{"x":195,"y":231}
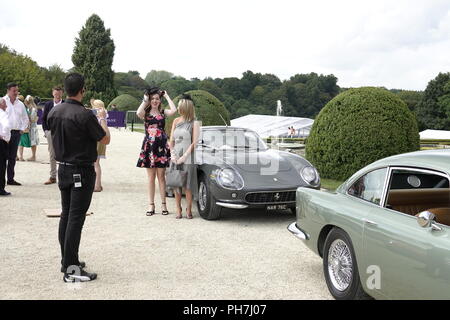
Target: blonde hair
{"x":97,"y":104}
{"x":186,"y":109}
{"x":29,"y":102}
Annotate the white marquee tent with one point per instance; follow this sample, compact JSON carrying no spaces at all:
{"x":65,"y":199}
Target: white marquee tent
{"x":435,"y":135}
{"x":266,"y":125}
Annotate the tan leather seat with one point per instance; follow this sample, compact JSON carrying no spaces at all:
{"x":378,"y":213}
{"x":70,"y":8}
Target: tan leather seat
{"x":442,"y":215}
{"x":413,"y":201}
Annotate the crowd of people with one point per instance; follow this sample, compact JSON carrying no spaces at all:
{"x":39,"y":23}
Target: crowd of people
{"x":77,"y":137}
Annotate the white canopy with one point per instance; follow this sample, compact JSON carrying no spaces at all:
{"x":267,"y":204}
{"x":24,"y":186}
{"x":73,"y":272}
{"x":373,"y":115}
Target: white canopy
{"x":435,"y":135}
{"x":267,"y":126}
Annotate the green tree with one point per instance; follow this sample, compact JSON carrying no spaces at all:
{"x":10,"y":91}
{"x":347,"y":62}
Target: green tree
{"x":433,"y":109}
{"x":93,"y":56}
{"x":55,"y":75}
{"x":358,"y":127}
{"x":156,"y":77}
{"x":24,"y":71}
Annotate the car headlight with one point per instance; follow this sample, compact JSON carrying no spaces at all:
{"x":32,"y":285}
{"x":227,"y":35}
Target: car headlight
{"x":229,"y":179}
{"x":310,"y":176}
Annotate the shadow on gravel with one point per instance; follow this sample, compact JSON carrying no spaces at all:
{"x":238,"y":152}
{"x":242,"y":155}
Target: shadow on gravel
{"x":256,"y":216}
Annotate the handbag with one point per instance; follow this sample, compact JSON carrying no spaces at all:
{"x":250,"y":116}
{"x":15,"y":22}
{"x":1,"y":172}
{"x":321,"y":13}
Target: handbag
{"x":175,"y":176}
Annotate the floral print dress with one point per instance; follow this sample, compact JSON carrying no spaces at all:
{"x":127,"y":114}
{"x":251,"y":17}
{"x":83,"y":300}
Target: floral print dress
{"x":155,"y":152}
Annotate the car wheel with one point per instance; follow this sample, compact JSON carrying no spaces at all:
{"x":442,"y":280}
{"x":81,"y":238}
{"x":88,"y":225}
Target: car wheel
{"x":340,"y":267}
{"x":207,"y":207}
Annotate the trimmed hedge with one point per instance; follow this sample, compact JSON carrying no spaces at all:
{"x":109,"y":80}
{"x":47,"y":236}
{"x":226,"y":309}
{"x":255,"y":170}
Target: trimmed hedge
{"x":358,"y":127}
{"x":125,"y":102}
{"x":207,"y":109}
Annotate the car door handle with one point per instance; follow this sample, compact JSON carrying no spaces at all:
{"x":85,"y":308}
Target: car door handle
{"x":369,"y":222}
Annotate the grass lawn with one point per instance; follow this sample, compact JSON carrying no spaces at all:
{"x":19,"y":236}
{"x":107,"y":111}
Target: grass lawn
{"x":330,"y":184}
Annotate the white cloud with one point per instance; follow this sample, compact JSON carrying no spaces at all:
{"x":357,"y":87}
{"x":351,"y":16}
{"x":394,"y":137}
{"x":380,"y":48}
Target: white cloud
{"x":401,"y":44}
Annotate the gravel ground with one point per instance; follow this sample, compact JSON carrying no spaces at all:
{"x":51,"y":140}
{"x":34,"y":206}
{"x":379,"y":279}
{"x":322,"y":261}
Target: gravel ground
{"x":247,"y":255}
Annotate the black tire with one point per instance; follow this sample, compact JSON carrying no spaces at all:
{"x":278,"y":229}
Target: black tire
{"x":354,"y":289}
{"x":207,"y":207}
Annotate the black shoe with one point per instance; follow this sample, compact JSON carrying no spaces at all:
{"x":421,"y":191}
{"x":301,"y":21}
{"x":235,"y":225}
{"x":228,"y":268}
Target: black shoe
{"x":81,"y":276}
{"x":4,"y":193}
{"x":82,"y":265}
{"x":14,"y":183}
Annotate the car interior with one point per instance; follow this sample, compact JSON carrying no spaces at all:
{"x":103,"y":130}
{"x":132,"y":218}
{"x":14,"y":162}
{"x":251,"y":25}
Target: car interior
{"x":412,"y":192}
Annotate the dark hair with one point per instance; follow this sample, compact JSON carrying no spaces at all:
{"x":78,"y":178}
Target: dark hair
{"x":57,"y":88}
{"x":186,"y":96}
{"x":74,"y":83}
{"x":11,"y":85}
{"x":150,"y":92}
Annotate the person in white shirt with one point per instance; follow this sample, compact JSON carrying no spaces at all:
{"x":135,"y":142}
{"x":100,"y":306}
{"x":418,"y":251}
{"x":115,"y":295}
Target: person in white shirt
{"x":5,"y":135}
{"x":19,"y":121}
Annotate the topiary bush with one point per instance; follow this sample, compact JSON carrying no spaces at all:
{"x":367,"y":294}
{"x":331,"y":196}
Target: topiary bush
{"x":358,"y":127}
{"x":207,"y":109}
{"x":125,"y":102}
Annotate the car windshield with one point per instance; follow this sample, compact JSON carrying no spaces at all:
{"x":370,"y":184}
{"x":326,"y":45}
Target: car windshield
{"x":232,"y":139}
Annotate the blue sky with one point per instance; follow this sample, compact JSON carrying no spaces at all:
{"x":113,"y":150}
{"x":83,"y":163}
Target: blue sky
{"x":396,"y":44}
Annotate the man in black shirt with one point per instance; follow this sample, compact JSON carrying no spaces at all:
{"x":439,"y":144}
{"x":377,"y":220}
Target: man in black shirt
{"x":75,"y":132}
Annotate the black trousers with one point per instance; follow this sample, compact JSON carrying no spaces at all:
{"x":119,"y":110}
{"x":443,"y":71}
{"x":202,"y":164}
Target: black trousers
{"x":3,"y":159}
{"x":13,"y":145}
{"x":75,"y":203}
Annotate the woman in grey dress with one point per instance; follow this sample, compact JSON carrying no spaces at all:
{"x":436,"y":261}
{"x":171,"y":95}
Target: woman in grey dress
{"x":183,"y":139}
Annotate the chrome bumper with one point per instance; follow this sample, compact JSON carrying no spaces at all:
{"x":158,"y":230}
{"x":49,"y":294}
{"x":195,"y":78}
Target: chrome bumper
{"x":297,"y":232}
{"x":232,"y":205}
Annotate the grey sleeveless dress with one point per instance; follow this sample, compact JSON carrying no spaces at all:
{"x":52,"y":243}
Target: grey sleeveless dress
{"x":182,"y":136}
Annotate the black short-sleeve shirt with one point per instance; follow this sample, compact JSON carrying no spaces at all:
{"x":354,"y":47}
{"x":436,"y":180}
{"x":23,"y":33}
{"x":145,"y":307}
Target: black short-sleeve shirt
{"x":75,"y":132}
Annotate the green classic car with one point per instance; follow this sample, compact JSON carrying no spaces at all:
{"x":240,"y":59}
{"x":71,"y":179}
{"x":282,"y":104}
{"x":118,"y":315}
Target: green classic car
{"x":384,"y":233}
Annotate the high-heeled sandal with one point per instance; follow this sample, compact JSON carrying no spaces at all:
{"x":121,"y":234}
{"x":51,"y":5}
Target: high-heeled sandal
{"x":179,"y":215}
{"x":164,"y":212}
{"x":151,"y":212}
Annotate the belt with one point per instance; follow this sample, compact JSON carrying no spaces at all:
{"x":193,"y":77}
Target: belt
{"x":87,"y":165}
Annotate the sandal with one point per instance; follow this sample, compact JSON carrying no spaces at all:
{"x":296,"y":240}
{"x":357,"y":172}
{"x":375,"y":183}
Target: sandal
{"x":164,"y":212}
{"x":152,"y":212}
{"x":179,"y":215}
{"x":189,"y":215}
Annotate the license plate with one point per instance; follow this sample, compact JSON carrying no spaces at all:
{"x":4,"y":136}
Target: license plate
{"x":277,"y":207}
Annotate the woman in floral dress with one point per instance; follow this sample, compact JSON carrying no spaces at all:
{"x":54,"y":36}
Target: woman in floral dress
{"x":155,"y":152}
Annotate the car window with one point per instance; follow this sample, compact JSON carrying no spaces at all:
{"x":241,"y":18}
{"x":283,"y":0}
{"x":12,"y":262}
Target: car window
{"x":409,"y":179}
{"x":413,"y":191}
{"x":370,"y":186}
{"x":231,"y":139}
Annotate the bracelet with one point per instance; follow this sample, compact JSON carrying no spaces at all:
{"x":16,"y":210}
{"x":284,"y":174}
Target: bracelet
{"x":101,"y":119}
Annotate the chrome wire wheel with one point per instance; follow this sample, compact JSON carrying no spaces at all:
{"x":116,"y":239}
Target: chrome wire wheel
{"x":202,"y":196}
{"x":340,"y":265}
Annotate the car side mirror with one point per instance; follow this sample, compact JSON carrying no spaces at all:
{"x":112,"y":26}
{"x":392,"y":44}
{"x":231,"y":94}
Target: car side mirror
{"x":427,"y":219}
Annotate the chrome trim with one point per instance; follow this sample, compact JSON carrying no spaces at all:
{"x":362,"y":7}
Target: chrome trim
{"x":369,"y":222}
{"x":232,"y":205}
{"x":297,"y":232}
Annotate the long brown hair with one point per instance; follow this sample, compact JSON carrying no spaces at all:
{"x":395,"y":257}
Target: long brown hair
{"x":149,"y":107}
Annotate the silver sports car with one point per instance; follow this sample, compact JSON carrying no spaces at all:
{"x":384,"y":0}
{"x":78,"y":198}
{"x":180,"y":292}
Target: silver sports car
{"x":236,"y":170}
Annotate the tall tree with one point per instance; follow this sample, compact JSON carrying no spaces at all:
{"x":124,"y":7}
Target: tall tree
{"x":433,"y":111}
{"x":93,"y":57}
{"x":156,"y":77}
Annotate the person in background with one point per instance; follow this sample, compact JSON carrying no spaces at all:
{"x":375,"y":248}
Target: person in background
{"x":98,"y":105}
{"x":57,"y":93}
{"x":5,"y":135}
{"x":155,"y":152}
{"x":19,"y":121}
{"x":30,"y":139}
{"x":183,"y":139}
